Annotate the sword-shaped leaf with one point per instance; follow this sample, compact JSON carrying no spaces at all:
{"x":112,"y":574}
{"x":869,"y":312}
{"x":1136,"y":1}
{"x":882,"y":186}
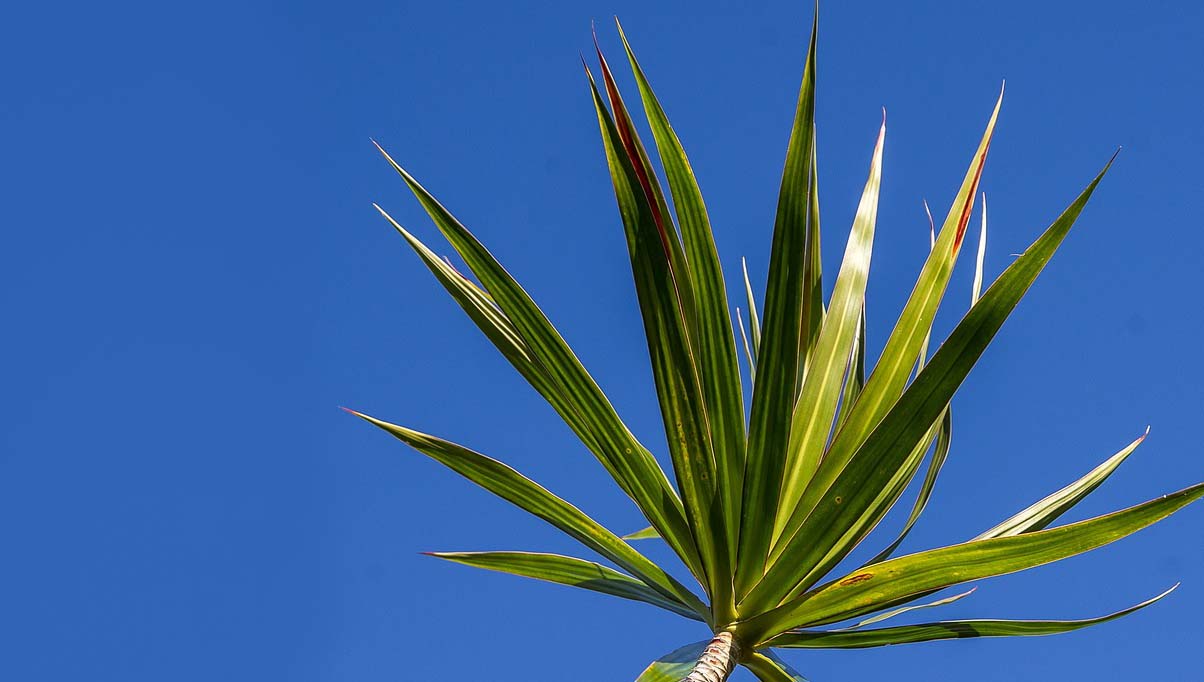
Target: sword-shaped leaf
{"x":524,"y":493}
{"x":496,"y":326}
{"x":890,"y":374}
{"x":835,"y":348}
{"x":950,"y":629}
{"x":869,"y":588}
{"x":1044,"y":512}
{"x":813,"y":284}
{"x":715,"y":345}
{"x":567,"y":571}
{"x":839,"y":518}
{"x":674,"y":367}
{"x":628,"y":462}
{"x":855,"y":380}
{"x":944,"y":437}
{"x":778,"y":360}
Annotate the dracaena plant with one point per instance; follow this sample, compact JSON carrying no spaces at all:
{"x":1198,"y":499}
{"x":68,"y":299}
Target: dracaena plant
{"x":763,"y":504}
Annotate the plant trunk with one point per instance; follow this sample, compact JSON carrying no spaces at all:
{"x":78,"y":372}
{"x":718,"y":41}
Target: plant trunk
{"x":718,"y":660}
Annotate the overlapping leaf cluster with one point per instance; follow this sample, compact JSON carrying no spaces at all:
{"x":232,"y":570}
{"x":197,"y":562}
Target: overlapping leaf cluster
{"x":761,"y":509}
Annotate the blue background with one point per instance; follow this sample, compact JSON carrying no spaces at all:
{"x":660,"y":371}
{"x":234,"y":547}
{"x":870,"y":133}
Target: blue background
{"x":192,"y":279}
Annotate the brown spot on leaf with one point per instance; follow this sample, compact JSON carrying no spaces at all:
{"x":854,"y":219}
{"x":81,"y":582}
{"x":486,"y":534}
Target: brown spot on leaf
{"x":859,"y":578}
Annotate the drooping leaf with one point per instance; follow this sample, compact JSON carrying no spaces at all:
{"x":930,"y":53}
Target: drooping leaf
{"x":592,"y":416}
{"x":675,"y":665}
{"x":768,"y":667}
{"x":778,"y":360}
{"x":892,"y":613}
{"x":567,"y":571}
{"x":872,"y":587}
{"x":838,"y":519}
{"x":952,"y":629}
{"x":515,"y":488}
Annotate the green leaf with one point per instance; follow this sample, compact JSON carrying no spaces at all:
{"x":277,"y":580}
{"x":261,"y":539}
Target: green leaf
{"x":1044,"y":512}
{"x":592,"y":416}
{"x":674,"y":371}
{"x":834,"y":350}
{"x":567,"y":571}
{"x":881,"y":584}
{"x":715,"y":345}
{"x":675,"y":665}
{"x":944,"y":436}
{"x":890,"y":375}
{"x":779,"y":357}
{"x":952,"y":629}
{"x":515,"y":488}
{"x":813,"y":285}
{"x":886,"y":615}
{"x":648,"y":533}
{"x":855,"y":380}
{"x":839,"y":518}
{"x":495,"y":325}
{"x":768,"y":667}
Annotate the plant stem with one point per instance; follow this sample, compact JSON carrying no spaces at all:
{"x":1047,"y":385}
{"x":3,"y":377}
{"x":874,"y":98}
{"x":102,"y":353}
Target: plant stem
{"x":718,"y":660}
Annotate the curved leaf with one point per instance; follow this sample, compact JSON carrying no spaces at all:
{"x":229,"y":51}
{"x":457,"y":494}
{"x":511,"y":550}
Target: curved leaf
{"x":951,"y":629}
{"x":873,"y":587}
{"x":567,"y":571}
{"x":886,"y":615}
{"x":592,"y":416}
{"x":524,"y":493}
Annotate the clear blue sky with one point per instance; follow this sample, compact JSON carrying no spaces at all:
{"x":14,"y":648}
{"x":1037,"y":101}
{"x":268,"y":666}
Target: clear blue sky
{"x":192,"y":279}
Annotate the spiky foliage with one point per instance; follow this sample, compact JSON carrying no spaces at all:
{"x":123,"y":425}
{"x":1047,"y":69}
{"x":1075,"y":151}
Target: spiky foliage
{"x":764,"y":505}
